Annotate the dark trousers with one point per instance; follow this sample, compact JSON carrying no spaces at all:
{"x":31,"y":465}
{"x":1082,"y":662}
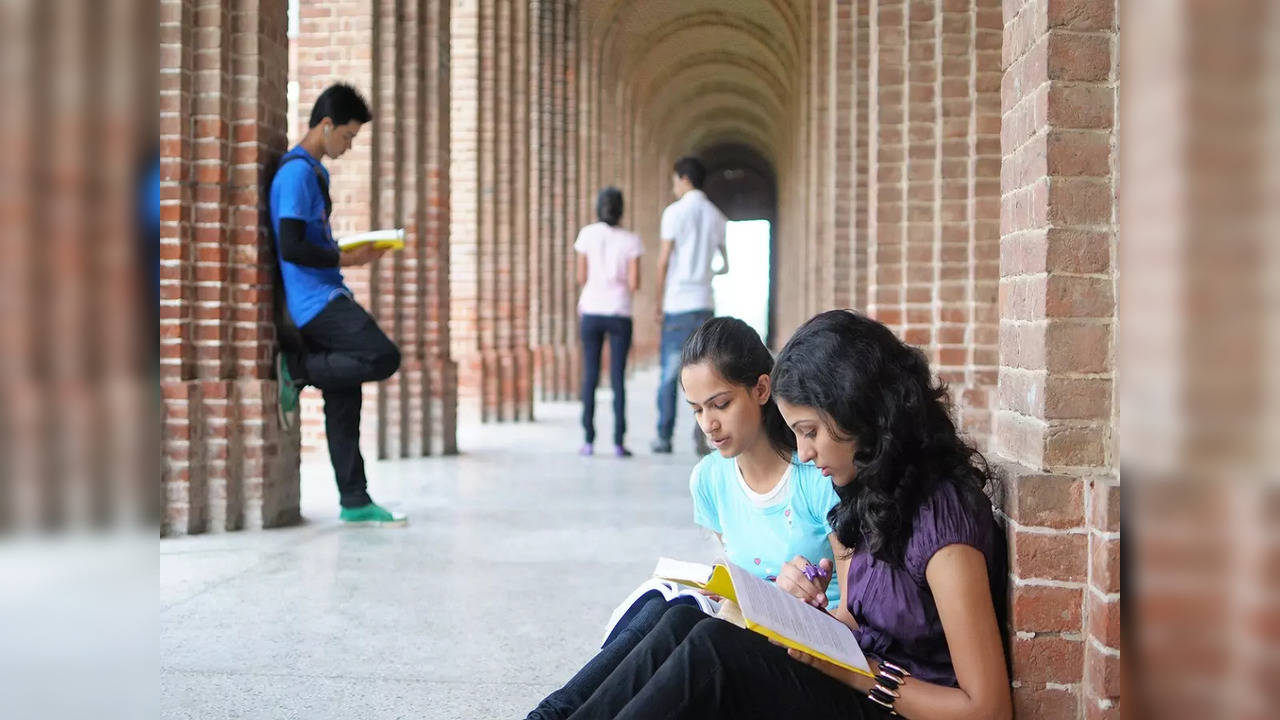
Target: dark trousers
{"x":561,"y":703}
{"x":594,"y":330}
{"x":345,"y":348}
{"x":693,"y":666}
{"x":676,"y":329}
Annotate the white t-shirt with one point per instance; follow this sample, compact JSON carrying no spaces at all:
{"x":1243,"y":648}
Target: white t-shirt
{"x":696,"y":226}
{"x":608,"y":250}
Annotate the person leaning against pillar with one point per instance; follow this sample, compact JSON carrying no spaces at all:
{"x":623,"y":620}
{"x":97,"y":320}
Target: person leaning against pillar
{"x":339,"y":346}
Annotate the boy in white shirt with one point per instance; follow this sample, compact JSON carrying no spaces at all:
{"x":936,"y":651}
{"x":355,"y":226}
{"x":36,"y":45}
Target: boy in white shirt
{"x":692,"y":232}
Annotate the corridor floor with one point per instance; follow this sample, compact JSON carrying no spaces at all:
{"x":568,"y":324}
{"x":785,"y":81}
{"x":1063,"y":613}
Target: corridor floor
{"x":516,"y":552}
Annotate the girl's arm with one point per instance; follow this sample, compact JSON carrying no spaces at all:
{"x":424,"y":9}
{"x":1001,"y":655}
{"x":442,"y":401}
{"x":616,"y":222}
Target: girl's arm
{"x":633,"y":274}
{"x":844,"y":558}
{"x":957,"y":577}
{"x":582,"y":269}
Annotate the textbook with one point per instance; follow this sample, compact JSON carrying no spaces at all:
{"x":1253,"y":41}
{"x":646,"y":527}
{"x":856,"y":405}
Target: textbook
{"x":382,"y":239}
{"x":668,"y":590}
{"x":773,"y":612}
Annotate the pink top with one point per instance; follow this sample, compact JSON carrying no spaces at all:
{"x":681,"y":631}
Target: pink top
{"x":608,"y":250}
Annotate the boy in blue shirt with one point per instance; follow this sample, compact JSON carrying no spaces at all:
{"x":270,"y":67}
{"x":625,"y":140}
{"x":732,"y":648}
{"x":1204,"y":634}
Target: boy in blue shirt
{"x":342,"y":346}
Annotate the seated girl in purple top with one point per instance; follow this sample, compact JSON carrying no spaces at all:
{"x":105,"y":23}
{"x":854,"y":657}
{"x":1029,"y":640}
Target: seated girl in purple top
{"x":926,"y":564}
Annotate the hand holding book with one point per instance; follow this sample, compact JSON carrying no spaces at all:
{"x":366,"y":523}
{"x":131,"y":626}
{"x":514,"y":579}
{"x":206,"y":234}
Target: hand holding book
{"x":392,"y":239}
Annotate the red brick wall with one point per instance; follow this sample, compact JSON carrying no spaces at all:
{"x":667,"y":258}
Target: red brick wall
{"x":222,"y":117}
{"x":1054,"y":426}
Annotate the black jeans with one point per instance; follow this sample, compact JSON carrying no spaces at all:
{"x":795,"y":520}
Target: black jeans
{"x":345,"y":348}
{"x":561,"y":703}
{"x":693,"y":666}
{"x":594,"y":328}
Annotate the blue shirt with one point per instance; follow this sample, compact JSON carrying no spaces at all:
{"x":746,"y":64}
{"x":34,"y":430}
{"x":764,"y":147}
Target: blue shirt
{"x":763,"y":539}
{"x":296,"y":194}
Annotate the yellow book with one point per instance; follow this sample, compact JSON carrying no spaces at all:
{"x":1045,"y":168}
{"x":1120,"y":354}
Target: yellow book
{"x":772,"y":612}
{"x":392,"y":239}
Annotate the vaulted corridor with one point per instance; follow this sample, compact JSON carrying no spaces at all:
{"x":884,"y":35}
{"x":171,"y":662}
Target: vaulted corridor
{"x":946,"y":166}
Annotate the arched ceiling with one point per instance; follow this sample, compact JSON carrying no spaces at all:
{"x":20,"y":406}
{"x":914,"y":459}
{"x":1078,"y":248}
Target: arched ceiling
{"x":702,"y":73}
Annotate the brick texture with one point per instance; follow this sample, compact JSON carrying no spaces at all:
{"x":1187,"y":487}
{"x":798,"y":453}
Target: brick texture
{"x":222,"y":98}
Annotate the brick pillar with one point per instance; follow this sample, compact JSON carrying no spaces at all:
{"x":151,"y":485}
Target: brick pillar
{"x":222,"y":104}
{"x":539,"y":156}
{"x":385,"y":140}
{"x":845,"y":88}
{"x":887,"y":183}
{"x":955,"y":209}
{"x":1200,"y":421}
{"x":488,"y":200}
{"x":1057,"y":315}
{"x":574,"y":204}
{"x":861,"y":123}
{"x":820,"y":197}
{"x":442,"y":370}
{"x":557,"y":251}
{"x":520,"y":345}
{"x":504,"y":190}
{"x":977,"y":398}
{"x":923,"y":211}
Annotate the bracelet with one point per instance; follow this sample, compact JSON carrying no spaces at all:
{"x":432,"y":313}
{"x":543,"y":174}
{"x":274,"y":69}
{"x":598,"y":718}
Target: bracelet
{"x":886,"y":705}
{"x":894,"y":669}
{"x":889,"y":679}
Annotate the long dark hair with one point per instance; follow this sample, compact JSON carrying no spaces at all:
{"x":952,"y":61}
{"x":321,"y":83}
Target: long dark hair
{"x":736,"y":352}
{"x":879,"y":390}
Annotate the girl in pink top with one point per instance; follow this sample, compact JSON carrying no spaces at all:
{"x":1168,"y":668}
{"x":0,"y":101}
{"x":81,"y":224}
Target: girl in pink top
{"x":609,"y":273}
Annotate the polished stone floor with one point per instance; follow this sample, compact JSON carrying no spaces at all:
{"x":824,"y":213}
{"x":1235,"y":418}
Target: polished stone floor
{"x":516,"y":552}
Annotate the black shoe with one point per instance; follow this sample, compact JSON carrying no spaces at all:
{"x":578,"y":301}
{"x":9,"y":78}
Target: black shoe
{"x":660,"y":447}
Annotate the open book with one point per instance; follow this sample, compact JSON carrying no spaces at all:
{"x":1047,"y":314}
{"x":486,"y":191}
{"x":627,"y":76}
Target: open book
{"x":382,"y":239}
{"x":668,"y":590}
{"x":772,"y":612}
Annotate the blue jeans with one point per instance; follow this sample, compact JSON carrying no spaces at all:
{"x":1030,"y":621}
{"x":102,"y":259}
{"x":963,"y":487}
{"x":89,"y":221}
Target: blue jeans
{"x":676,"y":329}
{"x":563,"y":702}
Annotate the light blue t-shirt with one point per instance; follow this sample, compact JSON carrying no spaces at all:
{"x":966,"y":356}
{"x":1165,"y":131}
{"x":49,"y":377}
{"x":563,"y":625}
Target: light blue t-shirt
{"x":763,"y":539}
{"x":296,"y":194}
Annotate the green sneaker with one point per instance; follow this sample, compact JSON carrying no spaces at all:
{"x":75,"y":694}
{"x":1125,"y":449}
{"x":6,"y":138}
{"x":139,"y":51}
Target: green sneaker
{"x":372,"y":515}
{"x":287,"y":407}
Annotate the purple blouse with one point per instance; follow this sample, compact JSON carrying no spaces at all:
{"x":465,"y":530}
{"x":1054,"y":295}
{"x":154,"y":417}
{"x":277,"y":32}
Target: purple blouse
{"x":897,"y":617}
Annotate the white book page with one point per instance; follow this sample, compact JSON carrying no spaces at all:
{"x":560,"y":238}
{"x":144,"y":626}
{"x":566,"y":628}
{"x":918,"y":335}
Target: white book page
{"x":689,"y":573}
{"x":764,"y":603}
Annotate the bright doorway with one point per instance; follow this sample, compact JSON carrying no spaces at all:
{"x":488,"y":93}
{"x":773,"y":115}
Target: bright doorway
{"x":743,"y":292}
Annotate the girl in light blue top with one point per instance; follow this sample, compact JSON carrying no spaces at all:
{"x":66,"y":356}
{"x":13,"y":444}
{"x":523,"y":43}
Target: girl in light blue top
{"x":764,"y":506}
{"x":753,"y":493}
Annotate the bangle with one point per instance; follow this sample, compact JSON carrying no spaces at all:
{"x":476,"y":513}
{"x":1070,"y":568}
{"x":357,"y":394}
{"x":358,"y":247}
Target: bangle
{"x":889,"y":679}
{"x":886,"y":693}
{"x":894,"y":669}
{"x":886,"y":705}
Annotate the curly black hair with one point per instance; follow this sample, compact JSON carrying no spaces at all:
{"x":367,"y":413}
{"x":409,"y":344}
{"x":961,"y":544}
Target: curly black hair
{"x":877,"y":390}
{"x":738,"y":354}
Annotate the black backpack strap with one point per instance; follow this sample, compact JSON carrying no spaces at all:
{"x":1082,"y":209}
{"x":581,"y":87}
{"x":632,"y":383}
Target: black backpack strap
{"x":324,"y":184}
{"x":287,"y":333}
